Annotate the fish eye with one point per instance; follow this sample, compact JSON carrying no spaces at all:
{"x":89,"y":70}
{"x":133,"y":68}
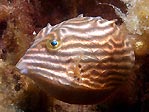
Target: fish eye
{"x":52,"y":44}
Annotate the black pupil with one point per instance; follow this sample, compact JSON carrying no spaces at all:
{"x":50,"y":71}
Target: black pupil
{"x":54,"y":43}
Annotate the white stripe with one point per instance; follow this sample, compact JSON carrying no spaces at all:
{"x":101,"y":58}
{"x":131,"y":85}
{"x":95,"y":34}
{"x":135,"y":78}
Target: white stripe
{"x":78,"y":50}
{"x":90,"y":42}
{"x":37,"y":50}
{"x":54,"y":74}
{"x":91,"y":33}
{"x":62,"y":60}
{"x":107,"y":23}
{"x":35,"y":61}
{"x":81,"y":26}
{"x":89,"y":24}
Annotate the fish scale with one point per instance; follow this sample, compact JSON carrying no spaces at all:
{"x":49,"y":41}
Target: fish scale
{"x":92,"y":59}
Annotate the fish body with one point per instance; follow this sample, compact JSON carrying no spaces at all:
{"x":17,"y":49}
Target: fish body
{"x":82,"y":60}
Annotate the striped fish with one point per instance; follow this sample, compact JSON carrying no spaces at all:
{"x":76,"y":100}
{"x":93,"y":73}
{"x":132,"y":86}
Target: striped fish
{"x":82,"y":60}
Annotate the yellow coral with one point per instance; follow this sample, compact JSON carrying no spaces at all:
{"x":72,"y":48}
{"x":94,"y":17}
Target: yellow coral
{"x":137,"y":19}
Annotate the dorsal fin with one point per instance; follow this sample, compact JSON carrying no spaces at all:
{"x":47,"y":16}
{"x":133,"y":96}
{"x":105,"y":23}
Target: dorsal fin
{"x":81,"y":15}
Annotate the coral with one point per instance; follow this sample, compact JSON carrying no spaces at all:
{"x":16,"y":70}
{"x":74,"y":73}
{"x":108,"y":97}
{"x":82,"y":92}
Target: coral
{"x":140,"y":44}
{"x":18,"y":33}
{"x":16,"y":27}
{"x":137,"y":18}
{"x":8,"y":91}
{"x":4,"y":12}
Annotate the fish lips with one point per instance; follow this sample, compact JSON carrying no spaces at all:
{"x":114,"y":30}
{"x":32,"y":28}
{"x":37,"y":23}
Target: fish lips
{"x":22,"y":67}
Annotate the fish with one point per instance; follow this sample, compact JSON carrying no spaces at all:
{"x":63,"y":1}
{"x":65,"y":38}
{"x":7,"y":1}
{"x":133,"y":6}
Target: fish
{"x":82,"y":60}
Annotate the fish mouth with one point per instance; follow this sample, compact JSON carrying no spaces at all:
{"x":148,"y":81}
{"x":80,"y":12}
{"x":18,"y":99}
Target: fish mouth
{"x":22,"y":67}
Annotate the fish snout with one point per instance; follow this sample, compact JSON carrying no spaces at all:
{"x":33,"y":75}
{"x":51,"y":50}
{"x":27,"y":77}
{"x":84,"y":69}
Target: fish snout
{"x":22,"y":67}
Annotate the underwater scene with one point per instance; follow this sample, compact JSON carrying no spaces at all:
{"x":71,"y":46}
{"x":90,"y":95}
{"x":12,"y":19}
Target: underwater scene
{"x":74,"y":56}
